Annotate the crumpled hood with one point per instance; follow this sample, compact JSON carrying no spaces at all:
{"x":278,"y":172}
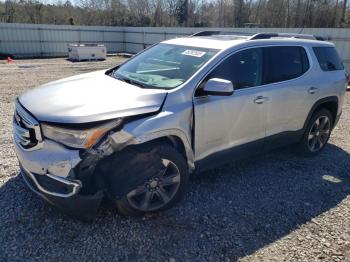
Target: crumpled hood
{"x":88,"y":98}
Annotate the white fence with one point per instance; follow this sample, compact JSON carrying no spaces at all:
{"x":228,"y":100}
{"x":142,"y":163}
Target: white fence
{"x":28,"y":40}
{"x":31,"y":40}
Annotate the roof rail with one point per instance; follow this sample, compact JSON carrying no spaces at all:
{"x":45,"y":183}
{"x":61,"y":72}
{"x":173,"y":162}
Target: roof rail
{"x":262,"y":35}
{"x":206,"y":33}
{"x":210,"y":33}
{"x":286,"y":35}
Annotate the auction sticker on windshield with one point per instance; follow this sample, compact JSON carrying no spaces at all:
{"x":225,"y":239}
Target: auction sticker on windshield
{"x":195,"y":53}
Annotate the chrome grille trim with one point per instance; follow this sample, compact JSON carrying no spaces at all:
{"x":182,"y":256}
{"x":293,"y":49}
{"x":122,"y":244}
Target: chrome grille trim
{"x":26,"y":129}
{"x":75,"y":184}
{"x":22,"y":132}
{"x":20,"y":140}
{"x":29,"y":121}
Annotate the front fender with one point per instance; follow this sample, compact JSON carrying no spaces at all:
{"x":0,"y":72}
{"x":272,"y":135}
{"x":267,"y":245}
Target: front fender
{"x":162,"y":125}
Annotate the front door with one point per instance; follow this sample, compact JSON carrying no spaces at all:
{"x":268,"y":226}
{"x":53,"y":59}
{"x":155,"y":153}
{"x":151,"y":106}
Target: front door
{"x":225,"y":124}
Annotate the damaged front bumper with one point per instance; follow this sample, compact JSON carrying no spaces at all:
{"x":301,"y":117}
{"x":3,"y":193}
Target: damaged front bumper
{"x":79,"y":206}
{"x":49,"y":172}
{"x":76,"y":180}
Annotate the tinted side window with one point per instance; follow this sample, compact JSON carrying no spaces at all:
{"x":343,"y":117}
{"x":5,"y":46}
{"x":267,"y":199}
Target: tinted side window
{"x":328,"y":58}
{"x":243,"y":69}
{"x":284,"y":63}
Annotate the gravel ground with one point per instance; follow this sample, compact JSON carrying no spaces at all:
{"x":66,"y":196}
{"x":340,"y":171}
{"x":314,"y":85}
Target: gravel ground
{"x":277,"y":207}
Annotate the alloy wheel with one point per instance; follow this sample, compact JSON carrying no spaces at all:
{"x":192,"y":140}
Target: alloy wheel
{"x":158,"y":191}
{"x":319,"y":133}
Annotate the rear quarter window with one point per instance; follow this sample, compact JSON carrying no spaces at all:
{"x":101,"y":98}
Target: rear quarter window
{"x":328,"y":58}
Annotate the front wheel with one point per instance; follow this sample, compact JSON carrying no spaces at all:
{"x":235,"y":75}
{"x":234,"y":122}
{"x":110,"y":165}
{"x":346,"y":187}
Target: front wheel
{"x":317,"y":133}
{"x":163,"y":190}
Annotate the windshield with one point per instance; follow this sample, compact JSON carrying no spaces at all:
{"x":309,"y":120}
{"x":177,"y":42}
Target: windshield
{"x":164,"y":66}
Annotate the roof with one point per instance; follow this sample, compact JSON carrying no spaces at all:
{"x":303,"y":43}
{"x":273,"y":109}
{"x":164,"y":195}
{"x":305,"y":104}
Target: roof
{"x":204,"y":42}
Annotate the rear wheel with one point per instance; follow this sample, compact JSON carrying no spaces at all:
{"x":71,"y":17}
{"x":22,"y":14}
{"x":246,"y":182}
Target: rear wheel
{"x":163,"y":190}
{"x":317,"y":133}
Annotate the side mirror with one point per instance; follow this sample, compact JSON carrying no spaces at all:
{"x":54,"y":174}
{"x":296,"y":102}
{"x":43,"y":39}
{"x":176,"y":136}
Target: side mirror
{"x":218,"y":87}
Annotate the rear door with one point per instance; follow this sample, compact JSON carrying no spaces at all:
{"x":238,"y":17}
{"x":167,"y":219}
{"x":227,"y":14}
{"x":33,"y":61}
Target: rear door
{"x":289,"y":91}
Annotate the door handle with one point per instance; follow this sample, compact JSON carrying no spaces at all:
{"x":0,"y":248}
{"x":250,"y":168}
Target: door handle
{"x":312,"y":90}
{"x":260,"y":100}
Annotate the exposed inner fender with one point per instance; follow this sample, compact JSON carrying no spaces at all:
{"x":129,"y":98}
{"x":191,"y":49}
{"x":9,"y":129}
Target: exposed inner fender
{"x":126,"y":170}
{"x":114,"y":144}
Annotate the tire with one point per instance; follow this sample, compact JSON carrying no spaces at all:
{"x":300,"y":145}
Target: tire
{"x":129,"y":204}
{"x":316,"y":135}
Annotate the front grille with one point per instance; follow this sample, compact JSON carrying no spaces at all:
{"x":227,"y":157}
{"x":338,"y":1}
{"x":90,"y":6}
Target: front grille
{"x":26,"y":128}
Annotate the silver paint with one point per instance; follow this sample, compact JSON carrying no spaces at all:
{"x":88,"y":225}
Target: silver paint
{"x":219,"y":122}
{"x":51,"y":158}
{"x":88,"y":98}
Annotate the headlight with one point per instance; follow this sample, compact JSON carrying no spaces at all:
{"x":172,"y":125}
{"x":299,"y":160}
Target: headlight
{"x":85,"y":138}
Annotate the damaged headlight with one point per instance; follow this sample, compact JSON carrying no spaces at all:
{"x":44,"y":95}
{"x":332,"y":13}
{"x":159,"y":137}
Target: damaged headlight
{"x":84,"y":138}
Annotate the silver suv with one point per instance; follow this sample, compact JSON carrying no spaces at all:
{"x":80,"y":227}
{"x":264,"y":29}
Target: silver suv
{"x":134,"y":133}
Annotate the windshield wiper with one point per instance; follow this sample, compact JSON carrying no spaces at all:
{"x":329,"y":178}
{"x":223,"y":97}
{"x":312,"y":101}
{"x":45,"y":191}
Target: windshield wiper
{"x":130,"y":81}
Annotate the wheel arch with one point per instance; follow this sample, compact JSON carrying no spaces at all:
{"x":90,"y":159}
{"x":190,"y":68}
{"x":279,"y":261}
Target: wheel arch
{"x":173,"y":141}
{"x":330,"y":103}
{"x":173,"y":137}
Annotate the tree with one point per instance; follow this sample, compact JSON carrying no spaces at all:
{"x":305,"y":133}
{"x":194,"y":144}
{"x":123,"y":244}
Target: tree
{"x":215,"y":13}
{"x":181,"y":12}
{"x":10,"y":11}
{"x":238,"y":13}
{"x":158,"y":14}
{"x":71,"y":21}
{"x":343,"y":13}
